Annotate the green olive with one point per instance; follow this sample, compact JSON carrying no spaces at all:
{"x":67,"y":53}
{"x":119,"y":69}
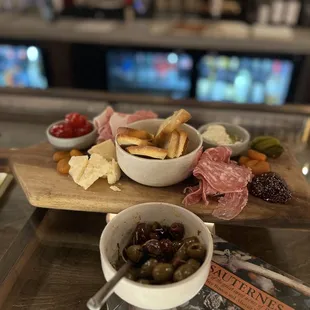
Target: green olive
{"x":182,"y":253}
{"x":190,"y":240}
{"x":194,"y":263}
{"x":183,"y":272}
{"x":144,"y":281}
{"x":147,"y":268}
{"x":134,"y":253}
{"x":133,"y":273}
{"x":176,"y":245}
{"x":196,"y":251}
{"x":155,"y":226}
{"x":162,"y":272}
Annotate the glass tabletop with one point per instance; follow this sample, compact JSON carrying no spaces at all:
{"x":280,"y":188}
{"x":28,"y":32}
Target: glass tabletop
{"x":49,"y":259}
{"x":54,"y":263}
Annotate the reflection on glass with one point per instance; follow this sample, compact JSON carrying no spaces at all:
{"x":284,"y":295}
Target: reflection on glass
{"x":305,"y":169}
{"x":243,"y":79}
{"x":21,"y":66}
{"x":155,"y":73}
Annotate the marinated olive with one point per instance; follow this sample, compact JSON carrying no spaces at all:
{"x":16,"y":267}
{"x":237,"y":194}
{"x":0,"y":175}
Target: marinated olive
{"x":152,"y":247}
{"x":190,"y":240}
{"x":166,"y":246}
{"x":134,"y":253}
{"x":141,"y":233}
{"x":144,"y":281}
{"x":163,"y":231}
{"x":183,"y":272}
{"x":155,"y":226}
{"x":177,"y":261}
{"x":161,"y":255}
{"x":147,"y":268}
{"x":162,"y":272}
{"x":194,"y":263}
{"x":154,"y":235}
{"x":182,"y":253}
{"x":176,"y":245}
{"x":196,"y":251}
{"x":177,"y":231}
{"x":132,"y":274}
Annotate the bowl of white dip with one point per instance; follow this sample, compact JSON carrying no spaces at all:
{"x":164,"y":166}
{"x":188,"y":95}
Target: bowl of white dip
{"x":225,"y":134}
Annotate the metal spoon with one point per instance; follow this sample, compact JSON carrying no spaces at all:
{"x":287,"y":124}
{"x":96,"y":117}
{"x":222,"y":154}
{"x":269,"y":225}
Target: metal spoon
{"x":101,"y":297}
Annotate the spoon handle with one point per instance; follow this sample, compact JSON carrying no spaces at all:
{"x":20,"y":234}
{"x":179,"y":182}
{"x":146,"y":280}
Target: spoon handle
{"x":101,"y":297}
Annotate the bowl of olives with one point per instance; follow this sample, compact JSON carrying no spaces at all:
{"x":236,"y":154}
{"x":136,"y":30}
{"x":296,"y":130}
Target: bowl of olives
{"x":170,"y":249}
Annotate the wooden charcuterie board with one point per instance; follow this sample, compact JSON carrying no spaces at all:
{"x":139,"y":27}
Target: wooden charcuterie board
{"x":45,"y":188}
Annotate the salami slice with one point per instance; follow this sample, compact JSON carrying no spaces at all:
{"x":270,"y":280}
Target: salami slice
{"x":194,"y":195}
{"x":218,"y":175}
{"x":223,"y":177}
{"x":220,"y":154}
{"x":231,"y":205}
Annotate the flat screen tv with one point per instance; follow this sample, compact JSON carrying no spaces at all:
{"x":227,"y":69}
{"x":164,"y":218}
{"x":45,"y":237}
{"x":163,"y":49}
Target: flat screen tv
{"x":22,"y":66}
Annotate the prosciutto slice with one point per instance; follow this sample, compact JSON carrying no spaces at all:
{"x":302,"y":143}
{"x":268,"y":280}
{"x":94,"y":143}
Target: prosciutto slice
{"x":218,"y":175}
{"x":109,"y":121}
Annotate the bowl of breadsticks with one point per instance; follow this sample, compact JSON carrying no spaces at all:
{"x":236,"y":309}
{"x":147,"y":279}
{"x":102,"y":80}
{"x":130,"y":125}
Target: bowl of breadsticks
{"x":159,"y":152}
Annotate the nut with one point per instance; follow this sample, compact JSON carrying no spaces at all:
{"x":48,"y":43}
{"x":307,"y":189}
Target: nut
{"x":63,"y":166}
{"x":60,"y":155}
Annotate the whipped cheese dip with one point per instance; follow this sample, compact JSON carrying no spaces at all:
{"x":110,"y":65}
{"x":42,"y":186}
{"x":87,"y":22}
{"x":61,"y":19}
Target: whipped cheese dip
{"x":217,"y":134}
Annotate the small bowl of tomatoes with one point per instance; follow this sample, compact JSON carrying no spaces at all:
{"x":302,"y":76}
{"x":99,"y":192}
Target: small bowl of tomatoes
{"x":74,"y":132}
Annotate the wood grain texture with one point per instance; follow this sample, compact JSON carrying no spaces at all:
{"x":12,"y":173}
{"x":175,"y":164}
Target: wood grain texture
{"x":45,"y":188}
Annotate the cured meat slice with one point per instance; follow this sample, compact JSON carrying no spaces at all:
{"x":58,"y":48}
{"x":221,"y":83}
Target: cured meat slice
{"x":109,"y":121}
{"x":118,"y":120}
{"x":194,"y":195}
{"x":102,"y":119}
{"x":141,"y":115}
{"x":223,"y":177}
{"x":220,"y":154}
{"x":218,"y":175}
{"x":231,"y":205}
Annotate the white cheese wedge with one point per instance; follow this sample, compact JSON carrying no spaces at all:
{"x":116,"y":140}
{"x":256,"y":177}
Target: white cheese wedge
{"x":77,"y":167}
{"x":97,"y":167}
{"x":106,"y":149}
{"x":114,"y":173}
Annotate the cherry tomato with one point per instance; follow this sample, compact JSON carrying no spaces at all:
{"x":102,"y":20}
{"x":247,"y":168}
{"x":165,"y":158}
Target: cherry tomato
{"x":76,"y":120}
{"x":62,"y":130}
{"x":81,"y":131}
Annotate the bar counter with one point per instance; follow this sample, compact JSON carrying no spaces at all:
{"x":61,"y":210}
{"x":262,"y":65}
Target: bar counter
{"x":147,"y":33}
{"x":49,"y":259}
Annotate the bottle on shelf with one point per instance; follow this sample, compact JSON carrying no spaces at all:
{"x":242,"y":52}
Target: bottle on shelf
{"x":277,"y":12}
{"x":293,"y":8}
{"x":263,"y":12}
{"x":216,"y":7}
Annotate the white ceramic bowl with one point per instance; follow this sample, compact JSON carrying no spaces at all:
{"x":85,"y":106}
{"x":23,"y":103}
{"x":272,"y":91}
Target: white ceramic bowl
{"x":240,"y":132}
{"x":118,"y":232}
{"x":157,"y":172}
{"x":66,"y":144}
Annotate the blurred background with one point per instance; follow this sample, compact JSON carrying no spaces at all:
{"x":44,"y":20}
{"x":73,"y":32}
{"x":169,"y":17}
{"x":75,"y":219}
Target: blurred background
{"x":249,"y":56}
{"x":237,"y":51}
